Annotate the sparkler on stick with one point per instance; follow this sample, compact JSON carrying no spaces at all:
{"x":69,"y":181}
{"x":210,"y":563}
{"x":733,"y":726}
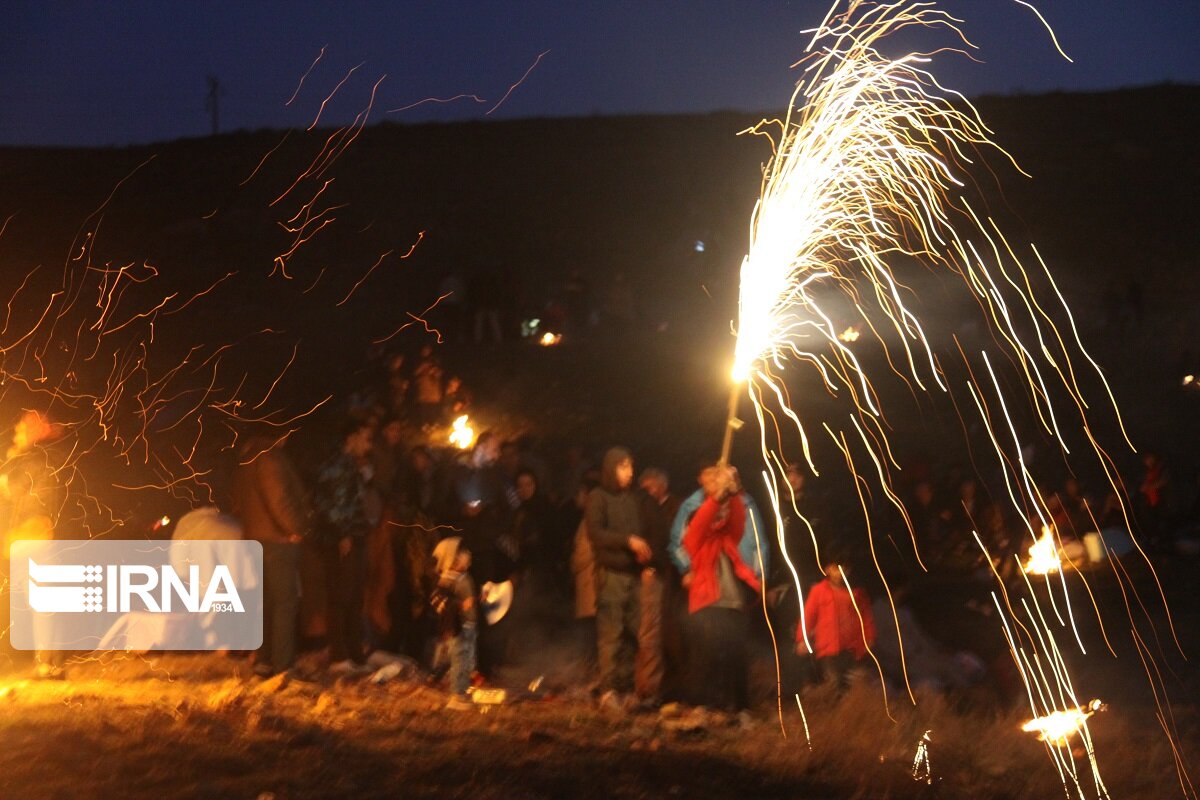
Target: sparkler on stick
{"x":866,"y":187}
{"x":732,"y":423}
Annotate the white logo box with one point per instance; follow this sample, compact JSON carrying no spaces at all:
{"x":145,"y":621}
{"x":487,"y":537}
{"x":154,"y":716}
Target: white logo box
{"x":136,"y":595}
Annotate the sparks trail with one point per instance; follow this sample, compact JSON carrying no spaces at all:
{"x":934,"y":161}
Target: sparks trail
{"x":300,"y":85}
{"x":266,"y":155}
{"x":437,"y":100}
{"x":521,"y":80}
{"x":379,"y":261}
{"x":866,"y":184}
{"x":415,"y":319}
{"x":304,"y":224}
{"x":81,"y":350}
{"x":329,"y":97}
{"x":363,"y":279}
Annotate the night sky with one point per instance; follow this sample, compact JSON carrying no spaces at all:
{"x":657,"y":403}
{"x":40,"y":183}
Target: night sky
{"x":91,"y":73}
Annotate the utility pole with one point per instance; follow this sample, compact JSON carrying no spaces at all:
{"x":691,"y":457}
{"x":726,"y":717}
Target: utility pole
{"x":211,"y":104}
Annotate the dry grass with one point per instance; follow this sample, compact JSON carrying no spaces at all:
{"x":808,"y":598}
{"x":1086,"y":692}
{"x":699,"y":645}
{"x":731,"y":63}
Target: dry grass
{"x":193,"y":727}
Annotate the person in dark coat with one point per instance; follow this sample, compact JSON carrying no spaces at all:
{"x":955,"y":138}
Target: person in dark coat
{"x":343,"y":487}
{"x":540,"y":546}
{"x":615,"y":528}
{"x":271,"y":503}
{"x":483,"y":519}
{"x":659,"y":636}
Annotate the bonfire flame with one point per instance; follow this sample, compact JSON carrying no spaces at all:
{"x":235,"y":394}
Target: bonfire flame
{"x":462,"y":435}
{"x":1043,"y":555}
{"x":550,"y":339}
{"x":32,"y":429}
{"x":1059,"y":726}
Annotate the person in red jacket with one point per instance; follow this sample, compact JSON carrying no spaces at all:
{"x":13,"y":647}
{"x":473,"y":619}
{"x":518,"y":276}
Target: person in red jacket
{"x":720,"y":589}
{"x":839,"y":624}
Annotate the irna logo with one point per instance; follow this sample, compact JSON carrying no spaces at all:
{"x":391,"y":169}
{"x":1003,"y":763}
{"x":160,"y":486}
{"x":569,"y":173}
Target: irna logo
{"x":136,"y":595}
{"x":73,"y":588}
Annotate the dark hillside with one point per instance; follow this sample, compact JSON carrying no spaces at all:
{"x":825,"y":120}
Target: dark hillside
{"x":1111,"y":206}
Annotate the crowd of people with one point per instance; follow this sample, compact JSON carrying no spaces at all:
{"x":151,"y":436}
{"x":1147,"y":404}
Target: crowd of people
{"x":473,"y":558}
{"x":468,"y":560}
{"x":401,"y":550}
{"x":420,"y":550}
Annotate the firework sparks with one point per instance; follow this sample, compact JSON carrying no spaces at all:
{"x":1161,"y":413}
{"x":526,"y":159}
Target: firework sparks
{"x":866,"y":188}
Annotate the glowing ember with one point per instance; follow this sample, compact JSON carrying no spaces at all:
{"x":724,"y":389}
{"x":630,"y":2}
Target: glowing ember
{"x":1058,"y":726}
{"x":550,"y":339}
{"x":462,"y":435}
{"x":1043,"y":555}
{"x":922,"y":768}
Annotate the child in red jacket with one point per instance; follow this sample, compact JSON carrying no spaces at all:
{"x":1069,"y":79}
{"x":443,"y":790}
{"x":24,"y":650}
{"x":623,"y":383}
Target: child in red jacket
{"x":839,"y":624}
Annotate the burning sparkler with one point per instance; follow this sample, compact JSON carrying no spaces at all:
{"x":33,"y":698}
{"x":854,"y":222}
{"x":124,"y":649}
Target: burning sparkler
{"x":867,"y":183}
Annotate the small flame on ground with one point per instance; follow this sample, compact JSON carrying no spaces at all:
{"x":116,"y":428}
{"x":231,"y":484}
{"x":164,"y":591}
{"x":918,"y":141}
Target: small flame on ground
{"x":851,"y":334}
{"x":462,"y":435}
{"x":1043,"y":555}
{"x":1058,"y":726}
{"x":550,"y":339}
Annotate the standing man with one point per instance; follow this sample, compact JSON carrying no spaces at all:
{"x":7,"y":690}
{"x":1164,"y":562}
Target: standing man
{"x":615,"y":526}
{"x":342,"y":488}
{"x":269,"y":499}
{"x":659,"y":641}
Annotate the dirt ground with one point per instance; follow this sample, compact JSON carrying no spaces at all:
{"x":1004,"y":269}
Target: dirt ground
{"x":197,"y":726}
